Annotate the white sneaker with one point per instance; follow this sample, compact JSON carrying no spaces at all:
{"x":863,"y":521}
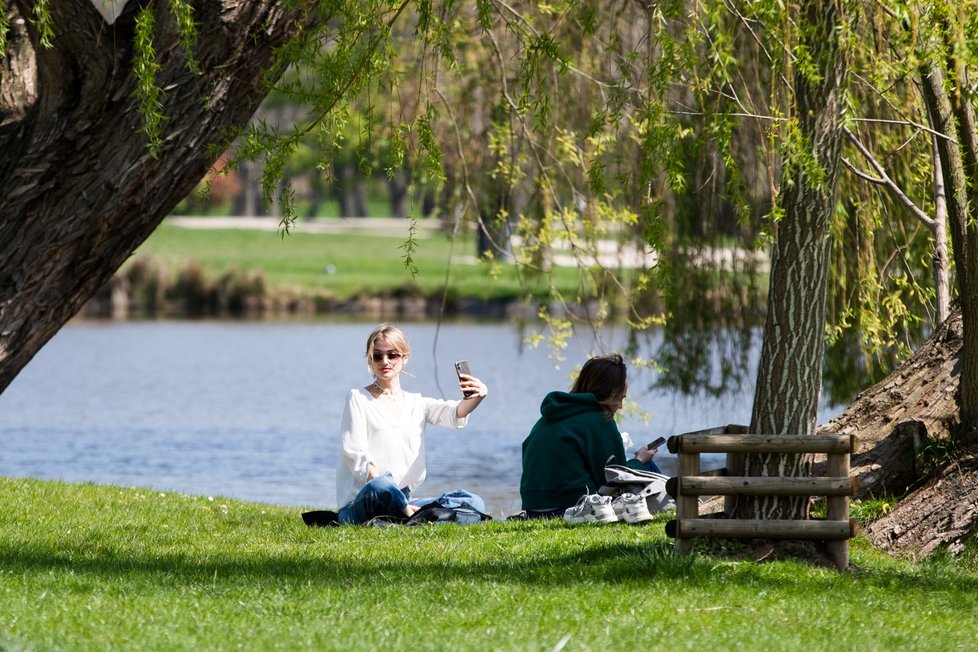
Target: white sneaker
{"x":631,"y":508}
{"x":591,"y":508}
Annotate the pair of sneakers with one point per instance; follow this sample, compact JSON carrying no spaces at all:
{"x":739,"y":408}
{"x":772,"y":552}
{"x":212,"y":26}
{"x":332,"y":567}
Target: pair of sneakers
{"x":631,"y":508}
{"x":594,"y":508}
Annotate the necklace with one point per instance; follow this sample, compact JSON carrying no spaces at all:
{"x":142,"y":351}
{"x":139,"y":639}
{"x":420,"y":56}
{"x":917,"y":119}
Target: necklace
{"x":393,"y":394}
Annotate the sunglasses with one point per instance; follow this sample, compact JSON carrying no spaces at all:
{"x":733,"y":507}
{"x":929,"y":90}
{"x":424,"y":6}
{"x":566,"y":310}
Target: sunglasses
{"x":393,"y":356}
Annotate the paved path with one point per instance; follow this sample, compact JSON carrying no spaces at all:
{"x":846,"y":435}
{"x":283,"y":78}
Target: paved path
{"x":378,"y":225}
{"x":610,"y":254}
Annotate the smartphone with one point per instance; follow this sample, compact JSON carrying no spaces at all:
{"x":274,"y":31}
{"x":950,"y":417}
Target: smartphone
{"x":462,"y":367}
{"x":652,"y":445}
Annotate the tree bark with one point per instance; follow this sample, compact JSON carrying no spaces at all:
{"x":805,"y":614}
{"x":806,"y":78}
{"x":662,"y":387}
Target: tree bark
{"x":942,"y":272}
{"x":790,"y":370}
{"x":79,"y":190}
{"x":959,"y":164}
{"x":943,"y":514}
{"x":966,"y":252}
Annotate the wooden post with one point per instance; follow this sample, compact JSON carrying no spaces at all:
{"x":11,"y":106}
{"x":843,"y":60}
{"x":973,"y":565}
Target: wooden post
{"x":687,"y":506}
{"x":838,"y":506}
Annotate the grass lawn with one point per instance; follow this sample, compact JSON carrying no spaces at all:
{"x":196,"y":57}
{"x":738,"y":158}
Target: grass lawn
{"x":343,"y":264}
{"x":86,"y":567}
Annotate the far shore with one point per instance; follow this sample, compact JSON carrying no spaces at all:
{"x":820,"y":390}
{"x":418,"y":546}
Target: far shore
{"x":241,"y":267}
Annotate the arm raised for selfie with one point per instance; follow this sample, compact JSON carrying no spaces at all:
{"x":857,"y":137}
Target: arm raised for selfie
{"x":474,"y":391}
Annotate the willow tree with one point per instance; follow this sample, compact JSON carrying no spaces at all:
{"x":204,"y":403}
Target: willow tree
{"x":916,"y":146}
{"x":109,"y":118}
{"x":918,"y":427}
{"x":105,"y":127}
{"x":105,"y":124}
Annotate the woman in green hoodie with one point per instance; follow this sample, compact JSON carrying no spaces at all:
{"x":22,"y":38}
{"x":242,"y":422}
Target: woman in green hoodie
{"x":575,"y":438}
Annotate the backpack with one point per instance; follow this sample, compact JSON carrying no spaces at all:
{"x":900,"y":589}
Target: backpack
{"x":621,"y":479}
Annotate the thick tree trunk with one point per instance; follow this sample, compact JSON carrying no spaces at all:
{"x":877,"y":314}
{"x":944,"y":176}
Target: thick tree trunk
{"x":79,"y":190}
{"x":790,"y":370}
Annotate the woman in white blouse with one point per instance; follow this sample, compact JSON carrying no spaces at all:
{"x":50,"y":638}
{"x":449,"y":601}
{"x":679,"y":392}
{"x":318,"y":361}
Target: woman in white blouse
{"x":382,"y":456}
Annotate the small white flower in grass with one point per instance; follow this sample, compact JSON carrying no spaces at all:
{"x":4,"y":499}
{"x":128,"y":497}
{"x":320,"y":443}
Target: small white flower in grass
{"x":210,"y":498}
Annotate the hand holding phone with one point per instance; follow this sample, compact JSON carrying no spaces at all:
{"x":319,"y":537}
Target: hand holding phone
{"x":462,"y":367}
{"x":653,"y":445}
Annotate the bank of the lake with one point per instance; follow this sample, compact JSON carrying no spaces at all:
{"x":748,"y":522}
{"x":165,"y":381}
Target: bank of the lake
{"x":373,"y":268}
{"x":86,"y":567}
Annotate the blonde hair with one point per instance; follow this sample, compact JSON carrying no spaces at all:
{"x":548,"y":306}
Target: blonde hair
{"x":394,"y":336}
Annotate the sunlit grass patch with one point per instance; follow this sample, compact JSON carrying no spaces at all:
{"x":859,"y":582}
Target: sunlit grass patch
{"x":85,"y":567}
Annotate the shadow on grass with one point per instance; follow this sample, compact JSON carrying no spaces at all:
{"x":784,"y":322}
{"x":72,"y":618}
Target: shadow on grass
{"x":634,"y":563}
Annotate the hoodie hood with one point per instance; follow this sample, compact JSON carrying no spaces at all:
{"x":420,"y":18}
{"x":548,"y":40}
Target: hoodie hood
{"x":561,"y":405}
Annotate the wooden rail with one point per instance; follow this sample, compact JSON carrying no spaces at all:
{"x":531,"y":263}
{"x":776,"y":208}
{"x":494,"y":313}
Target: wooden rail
{"x":836,"y":529}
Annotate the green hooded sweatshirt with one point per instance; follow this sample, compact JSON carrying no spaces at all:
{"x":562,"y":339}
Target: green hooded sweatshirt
{"x":566,"y":451}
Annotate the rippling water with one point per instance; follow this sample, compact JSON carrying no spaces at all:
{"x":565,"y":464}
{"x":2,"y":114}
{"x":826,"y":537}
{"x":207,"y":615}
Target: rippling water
{"x":250,"y":410}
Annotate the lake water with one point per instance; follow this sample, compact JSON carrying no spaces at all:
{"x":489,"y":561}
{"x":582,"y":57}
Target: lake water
{"x":251,"y":410}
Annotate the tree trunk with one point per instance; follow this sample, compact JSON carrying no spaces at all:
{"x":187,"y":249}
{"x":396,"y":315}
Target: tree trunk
{"x":79,"y":190}
{"x":967,"y":135}
{"x":348,"y":189}
{"x":247,"y":203}
{"x":790,"y":370}
{"x":942,"y":272}
{"x":398,"y":185}
{"x":959,"y":164}
{"x":904,"y":427}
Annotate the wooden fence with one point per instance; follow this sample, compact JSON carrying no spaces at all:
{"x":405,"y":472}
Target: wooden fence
{"x":836,"y":529}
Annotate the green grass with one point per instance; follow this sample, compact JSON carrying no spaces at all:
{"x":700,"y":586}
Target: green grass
{"x":86,"y":567}
{"x":361,"y":263}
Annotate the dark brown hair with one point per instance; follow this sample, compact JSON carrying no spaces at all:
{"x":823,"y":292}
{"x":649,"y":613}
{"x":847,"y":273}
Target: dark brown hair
{"x":607,"y":378}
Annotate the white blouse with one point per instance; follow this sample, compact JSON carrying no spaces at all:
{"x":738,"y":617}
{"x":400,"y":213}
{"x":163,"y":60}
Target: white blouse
{"x":391,"y":435}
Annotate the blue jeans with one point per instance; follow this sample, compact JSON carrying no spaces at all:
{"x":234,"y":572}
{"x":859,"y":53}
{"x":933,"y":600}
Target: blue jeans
{"x":379,"y":497}
{"x":382,"y":497}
